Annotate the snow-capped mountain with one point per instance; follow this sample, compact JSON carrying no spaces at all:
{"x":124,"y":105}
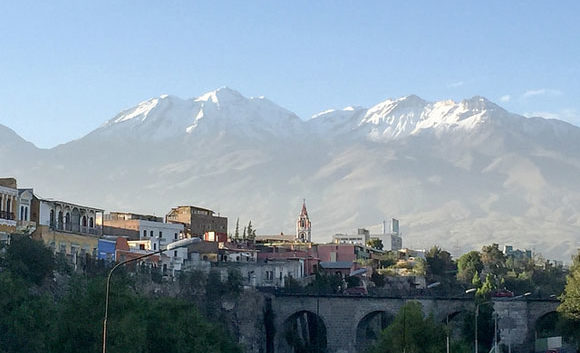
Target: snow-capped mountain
{"x":457,"y":174}
{"x":223,"y":110}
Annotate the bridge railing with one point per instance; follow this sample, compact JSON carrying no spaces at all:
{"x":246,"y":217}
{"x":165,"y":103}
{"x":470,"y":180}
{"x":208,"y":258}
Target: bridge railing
{"x":384,"y":294}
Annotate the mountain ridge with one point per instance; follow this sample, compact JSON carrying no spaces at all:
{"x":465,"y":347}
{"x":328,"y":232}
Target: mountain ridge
{"x":457,"y":174}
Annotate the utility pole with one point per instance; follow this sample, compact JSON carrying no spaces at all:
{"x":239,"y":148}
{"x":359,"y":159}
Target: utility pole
{"x":476,"y":315}
{"x":447,"y":333}
{"x":495,"y":334}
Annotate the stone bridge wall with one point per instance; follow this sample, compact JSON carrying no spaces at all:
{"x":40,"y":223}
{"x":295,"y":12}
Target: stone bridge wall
{"x":341,"y":316}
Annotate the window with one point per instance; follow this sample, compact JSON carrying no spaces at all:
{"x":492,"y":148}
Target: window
{"x":144,"y":233}
{"x":154,"y":246}
{"x":175,"y":236}
{"x":84,"y":221}
{"x":175,"y":253}
{"x":160,"y":234}
{"x":151,"y":234}
{"x":269,"y":275}
{"x":91,"y":222}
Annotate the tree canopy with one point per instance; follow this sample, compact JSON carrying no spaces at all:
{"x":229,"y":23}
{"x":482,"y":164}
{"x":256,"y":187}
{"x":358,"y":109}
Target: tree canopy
{"x":570,"y":306}
{"x":494,"y":260}
{"x":375,"y":243}
{"x":469,"y":264}
{"x":411,"y":332}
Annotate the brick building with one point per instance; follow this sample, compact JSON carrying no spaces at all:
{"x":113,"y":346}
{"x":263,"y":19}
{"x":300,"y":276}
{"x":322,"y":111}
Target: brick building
{"x":197,"y":221}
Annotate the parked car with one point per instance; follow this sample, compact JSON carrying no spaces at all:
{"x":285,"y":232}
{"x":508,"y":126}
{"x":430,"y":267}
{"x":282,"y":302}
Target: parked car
{"x":504,"y":293}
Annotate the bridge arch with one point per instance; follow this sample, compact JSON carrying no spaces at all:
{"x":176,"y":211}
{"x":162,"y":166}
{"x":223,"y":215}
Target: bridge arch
{"x":370,"y":326}
{"x":301,"y":331}
{"x":547,"y":325}
{"x":539,"y":316}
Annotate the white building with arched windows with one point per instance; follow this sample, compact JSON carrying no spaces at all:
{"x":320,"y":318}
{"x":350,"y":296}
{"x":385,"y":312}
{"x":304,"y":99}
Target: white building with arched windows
{"x":67,"y":228}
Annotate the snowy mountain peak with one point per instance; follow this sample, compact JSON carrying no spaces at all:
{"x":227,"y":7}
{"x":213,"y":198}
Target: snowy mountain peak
{"x":142,"y":110}
{"x":221,"y":95}
{"x":412,"y":100}
{"x":481,"y":104}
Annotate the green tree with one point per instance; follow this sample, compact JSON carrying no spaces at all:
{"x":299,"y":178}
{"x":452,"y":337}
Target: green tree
{"x":79,"y":323}
{"x":548,"y":279}
{"x":251,"y":232}
{"x":410,"y":332}
{"x":467,"y":265}
{"x":375,"y":243}
{"x":234,"y":282}
{"x":137,"y":324}
{"x":378,"y":279}
{"x":325,"y":283}
{"x":26,"y":315}
{"x":439,"y":262}
{"x":184,"y":329}
{"x":487,"y":288}
{"x":237,"y":231}
{"x":29,"y":259}
{"x":494,"y":260}
{"x":420,"y":267}
{"x":570,"y":305}
{"x":441,"y":268}
{"x":476,"y":280}
{"x":388,"y":259}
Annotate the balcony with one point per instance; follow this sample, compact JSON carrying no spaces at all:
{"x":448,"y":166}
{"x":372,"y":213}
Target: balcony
{"x":75,"y":228}
{"x":7,"y":215}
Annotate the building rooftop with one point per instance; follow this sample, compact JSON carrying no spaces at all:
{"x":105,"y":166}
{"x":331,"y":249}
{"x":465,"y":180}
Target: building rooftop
{"x":132,"y":216}
{"x":195,"y":207}
{"x":69,"y":203}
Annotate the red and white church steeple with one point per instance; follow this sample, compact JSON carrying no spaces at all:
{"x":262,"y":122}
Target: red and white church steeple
{"x":303,"y":225}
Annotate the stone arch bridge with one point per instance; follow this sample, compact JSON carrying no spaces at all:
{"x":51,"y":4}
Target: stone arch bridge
{"x":347,"y":322}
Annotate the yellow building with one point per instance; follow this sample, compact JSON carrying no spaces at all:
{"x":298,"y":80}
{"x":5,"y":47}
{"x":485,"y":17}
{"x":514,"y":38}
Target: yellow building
{"x":8,"y":206}
{"x":67,"y":243}
{"x":67,"y":228}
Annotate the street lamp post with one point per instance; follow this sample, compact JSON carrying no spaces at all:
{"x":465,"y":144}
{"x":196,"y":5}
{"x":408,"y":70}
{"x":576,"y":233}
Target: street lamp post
{"x":178,"y":244}
{"x":476,"y":315}
{"x":495,"y":319}
{"x":472,"y":290}
{"x":510,"y":328}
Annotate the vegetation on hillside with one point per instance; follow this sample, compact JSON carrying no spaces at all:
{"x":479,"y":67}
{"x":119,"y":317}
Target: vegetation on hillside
{"x":37,"y":317}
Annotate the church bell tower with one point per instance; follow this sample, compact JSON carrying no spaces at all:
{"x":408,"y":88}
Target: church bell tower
{"x":303,"y":226}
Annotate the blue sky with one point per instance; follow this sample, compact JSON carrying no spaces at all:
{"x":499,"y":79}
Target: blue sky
{"x":67,"y":66}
